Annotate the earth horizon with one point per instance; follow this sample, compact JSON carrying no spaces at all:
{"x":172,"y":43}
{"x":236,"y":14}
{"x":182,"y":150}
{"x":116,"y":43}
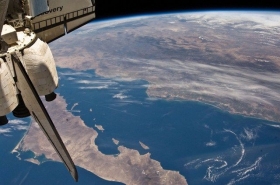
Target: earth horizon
{"x":177,"y":98}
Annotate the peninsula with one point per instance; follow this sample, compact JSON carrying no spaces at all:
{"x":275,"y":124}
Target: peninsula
{"x":128,"y":167}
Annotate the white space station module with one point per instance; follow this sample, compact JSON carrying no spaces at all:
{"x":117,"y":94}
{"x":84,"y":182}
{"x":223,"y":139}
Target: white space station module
{"x":27,"y":66}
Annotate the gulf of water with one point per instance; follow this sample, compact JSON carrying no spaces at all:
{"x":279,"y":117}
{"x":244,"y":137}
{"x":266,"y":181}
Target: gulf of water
{"x":203,"y":143}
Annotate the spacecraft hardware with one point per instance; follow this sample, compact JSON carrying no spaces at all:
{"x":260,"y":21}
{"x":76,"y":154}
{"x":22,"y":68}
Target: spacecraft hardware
{"x":27,"y":66}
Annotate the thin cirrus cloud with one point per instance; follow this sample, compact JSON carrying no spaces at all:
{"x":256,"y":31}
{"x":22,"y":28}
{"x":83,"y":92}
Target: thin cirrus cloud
{"x":13,"y":125}
{"x":96,"y":84}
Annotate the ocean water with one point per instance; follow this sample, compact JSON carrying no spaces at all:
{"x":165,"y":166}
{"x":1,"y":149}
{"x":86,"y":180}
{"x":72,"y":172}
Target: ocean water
{"x":203,"y":143}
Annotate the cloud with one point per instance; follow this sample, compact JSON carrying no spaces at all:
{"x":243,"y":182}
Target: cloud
{"x":5,"y":130}
{"x":211,"y":143}
{"x":120,"y":96}
{"x":275,"y":126}
{"x":238,"y":19}
{"x":83,"y":74}
{"x":95,"y":87}
{"x":17,"y":122}
{"x":107,"y":82}
{"x":71,"y":78}
{"x":21,"y":127}
{"x":14,"y":125}
{"x":96,"y":84}
{"x":249,"y":134}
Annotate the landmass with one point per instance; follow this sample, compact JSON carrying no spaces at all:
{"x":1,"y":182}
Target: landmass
{"x":128,"y":167}
{"x":99,"y":127}
{"x":115,"y":141}
{"x":228,"y":60}
{"x":34,"y":161}
{"x":144,"y":146}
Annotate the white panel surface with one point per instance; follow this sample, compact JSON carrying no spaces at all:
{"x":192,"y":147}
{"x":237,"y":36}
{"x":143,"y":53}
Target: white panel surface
{"x":40,"y":114}
{"x":52,"y":33}
{"x":78,"y":22}
{"x":8,"y":99}
{"x":40,"y":66}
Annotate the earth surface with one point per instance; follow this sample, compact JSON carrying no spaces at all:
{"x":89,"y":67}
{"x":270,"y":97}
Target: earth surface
{"x":183,"y":98}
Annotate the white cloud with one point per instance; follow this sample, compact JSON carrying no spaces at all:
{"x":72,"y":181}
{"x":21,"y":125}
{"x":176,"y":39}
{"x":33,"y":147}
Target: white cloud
{"x":71,"y":78}
{"x":75,"y":74}
{"x":120,"y":96}
{"x":95,"y":87}
{"x":107,"y":82}
{"x":275,"y":126}
{"x":17,"y":122}
{"x":211,"y":143}
{"x":250,"y":134}
{"x":21,"y":127}
{"x":5,"y":130}
{"x":13,"y":125}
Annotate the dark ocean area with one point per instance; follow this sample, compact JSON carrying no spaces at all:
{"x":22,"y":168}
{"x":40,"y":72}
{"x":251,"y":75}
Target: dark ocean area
{"x":205,"y":144}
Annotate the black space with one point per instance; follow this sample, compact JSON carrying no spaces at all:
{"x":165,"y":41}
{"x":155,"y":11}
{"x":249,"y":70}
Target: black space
{"x":119,"y":8}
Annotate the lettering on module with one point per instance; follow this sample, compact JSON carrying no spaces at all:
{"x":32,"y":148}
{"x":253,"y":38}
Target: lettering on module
{"x":57,"y":9}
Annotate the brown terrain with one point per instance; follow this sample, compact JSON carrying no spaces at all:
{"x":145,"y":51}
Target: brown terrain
{"x":128,"y":167}
{"x":231,"y":61}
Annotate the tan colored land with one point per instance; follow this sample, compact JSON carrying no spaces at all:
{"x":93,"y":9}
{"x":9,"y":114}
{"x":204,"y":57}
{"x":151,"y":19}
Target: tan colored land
{"x":128,"y":167}
{"x":144,"y":146}
{"x":115,"y":141}
{"x":230,"y":60}
{"x":99,"y":127}
{"x":35,"y":161}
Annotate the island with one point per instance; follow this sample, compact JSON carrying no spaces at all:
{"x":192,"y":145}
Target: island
{"x":144,"y":146}
{"x":128,"y":166}
{"x":99,"y":127}
{"x":115,"y":141}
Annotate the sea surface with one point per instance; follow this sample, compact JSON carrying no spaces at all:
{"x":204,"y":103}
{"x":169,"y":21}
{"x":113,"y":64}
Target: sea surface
{"x":203,"y":143}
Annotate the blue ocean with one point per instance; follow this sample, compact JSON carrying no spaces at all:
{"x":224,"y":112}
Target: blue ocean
{"x":205,"y":144}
